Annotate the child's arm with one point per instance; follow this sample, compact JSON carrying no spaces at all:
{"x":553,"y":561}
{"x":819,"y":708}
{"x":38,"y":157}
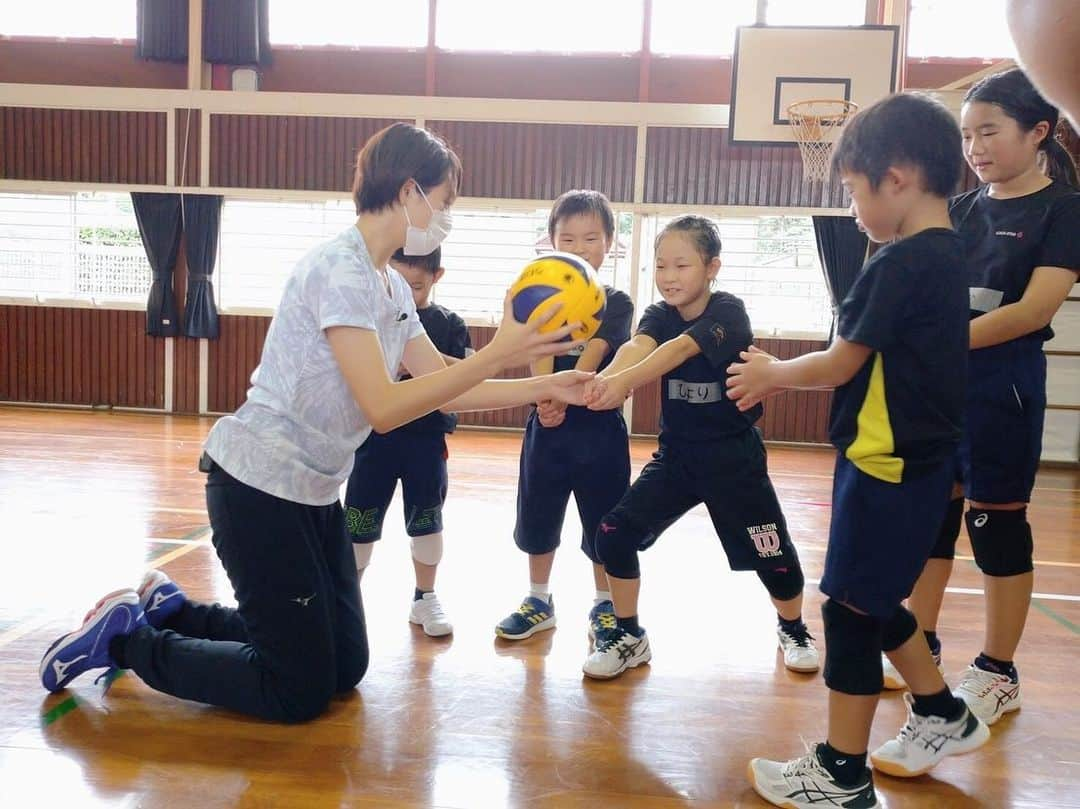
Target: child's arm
{"x":610,"y":389}
{"x":760,"y":375}
{"x":1045,"y":292}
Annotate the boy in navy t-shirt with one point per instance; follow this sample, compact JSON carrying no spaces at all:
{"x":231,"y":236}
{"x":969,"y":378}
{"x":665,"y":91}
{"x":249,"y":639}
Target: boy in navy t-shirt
{"x":899,"y":368}
{"x":415,"y":454}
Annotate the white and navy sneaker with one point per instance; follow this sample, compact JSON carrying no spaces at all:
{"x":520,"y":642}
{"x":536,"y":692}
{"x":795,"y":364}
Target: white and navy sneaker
{"x":925,"y":740}
{"x":88,"y":646}
{"x":160,"y":597}
{"x":988,"y":694}
{"x":800,"y":654}
{"x":601,"y":620}
{"x":804,"y":783}
{"x":534,"y":615}
{"x":616,"y":651}
{"x":894,"y":680}
{"x":428,"y":613}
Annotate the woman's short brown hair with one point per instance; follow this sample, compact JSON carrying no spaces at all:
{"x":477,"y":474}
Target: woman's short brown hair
{"x":395,"y":155}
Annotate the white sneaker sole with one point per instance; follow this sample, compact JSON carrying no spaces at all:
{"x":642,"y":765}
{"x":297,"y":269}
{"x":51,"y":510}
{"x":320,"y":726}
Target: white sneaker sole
{"x":802,"y":669}
{"x":781,"y":802}
{"x":543,"y":626}
{"x":438,"y":633}
{"x":973,"y":742}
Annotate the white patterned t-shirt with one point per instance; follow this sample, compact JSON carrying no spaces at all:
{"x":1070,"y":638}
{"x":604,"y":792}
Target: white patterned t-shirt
{"x":295,"y":435}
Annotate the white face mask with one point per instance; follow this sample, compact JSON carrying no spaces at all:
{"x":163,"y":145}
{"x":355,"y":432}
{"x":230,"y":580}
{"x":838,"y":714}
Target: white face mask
{"x":423,"y":241}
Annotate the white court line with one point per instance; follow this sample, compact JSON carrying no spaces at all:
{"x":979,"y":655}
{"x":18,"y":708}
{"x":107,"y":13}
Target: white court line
{"x":973,"y":591}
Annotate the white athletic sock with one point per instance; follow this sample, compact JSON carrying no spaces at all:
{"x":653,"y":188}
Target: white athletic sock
{"x":541,"y":590}
{"x":601,"y":595}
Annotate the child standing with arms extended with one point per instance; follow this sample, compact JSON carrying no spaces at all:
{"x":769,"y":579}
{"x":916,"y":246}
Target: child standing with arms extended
{"x":572,"y":449}
{"x":898,"y":366}
{"x":1022,"y":230}
{"x":709,"y":451}
{"x":415,"y":454}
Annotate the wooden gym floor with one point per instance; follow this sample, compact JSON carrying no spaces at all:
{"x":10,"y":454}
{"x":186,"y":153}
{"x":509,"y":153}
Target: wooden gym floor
{"x":88,"y":499}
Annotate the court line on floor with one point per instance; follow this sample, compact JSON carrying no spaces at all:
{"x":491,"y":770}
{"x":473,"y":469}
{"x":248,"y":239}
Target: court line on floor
{"x":975,"y":591}
{"x":1061,"y":619}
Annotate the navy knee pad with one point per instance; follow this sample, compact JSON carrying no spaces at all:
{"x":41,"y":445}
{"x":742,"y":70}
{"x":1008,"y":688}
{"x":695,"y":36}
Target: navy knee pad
{"x":852,"y":651}
{"x":1001,"y":541}
{"x":898,"y":629}
{"x":617,"y":547}
{"x":945,"y":545}
{"x":783,"y":583}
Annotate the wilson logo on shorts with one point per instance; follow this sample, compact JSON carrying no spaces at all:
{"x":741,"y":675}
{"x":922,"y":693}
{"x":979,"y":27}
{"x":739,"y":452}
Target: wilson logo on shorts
{"x":766,"y":540}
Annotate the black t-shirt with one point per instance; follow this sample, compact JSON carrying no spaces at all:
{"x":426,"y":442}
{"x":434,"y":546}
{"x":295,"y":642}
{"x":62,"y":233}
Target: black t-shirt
{"x":693,"y":396}
{"x":1006,"y":239}
{"x":450,"y":336}
{"x":903,"y":411}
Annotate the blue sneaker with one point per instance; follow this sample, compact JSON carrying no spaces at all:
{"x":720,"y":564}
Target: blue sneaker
{"x":601,"y":620}
{"x":160,"y":598}
{"x":88,"y":646}
{"x":534,"y":615}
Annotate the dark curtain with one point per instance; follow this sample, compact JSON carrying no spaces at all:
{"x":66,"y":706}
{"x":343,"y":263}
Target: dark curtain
{"x":842,"y":250}
{"x":202,"y":222}
{"x":161,"y":30}
{"x":236,"y":32}
{"x":158,"y":216}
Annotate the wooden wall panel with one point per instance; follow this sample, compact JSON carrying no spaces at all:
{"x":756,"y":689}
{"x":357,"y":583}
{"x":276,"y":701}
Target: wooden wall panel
{"x":93,"y":146}
{"x":185,"y":375}
{"x":797,"y":416}
{"x":540,"y":161}
{"x":58,"y":355}
{"x":699,"y":166}
{"x":89,"y":63}
{"x":515,"y":417}
{"x":232,"y":358}
{"x":295,"y":152}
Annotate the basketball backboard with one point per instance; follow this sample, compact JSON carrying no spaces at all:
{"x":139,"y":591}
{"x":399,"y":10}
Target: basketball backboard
{"x":775,"y":66}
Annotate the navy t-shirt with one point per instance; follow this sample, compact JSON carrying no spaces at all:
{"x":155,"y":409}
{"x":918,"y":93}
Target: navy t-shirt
{"x":450,"y":336}
{"x":1006,"y":239}
{"x":694,"y":403}
{"x":903,"y":411}
{"x":614,"y":329}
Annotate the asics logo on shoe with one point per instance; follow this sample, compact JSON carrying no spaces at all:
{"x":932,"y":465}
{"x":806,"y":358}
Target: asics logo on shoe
{"x":60,"y":667}
{"x":303,"y":601}
{"x":629,"y":650}
{"x":981,"y":520}
{"x":160,"y":599}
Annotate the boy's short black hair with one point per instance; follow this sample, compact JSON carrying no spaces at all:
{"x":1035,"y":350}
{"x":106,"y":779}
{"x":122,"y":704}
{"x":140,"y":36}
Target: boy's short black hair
{"x":581,"y":201}
{"x":431,"y":262}
{"x":393,"y":156}
{"x":906,"y":129}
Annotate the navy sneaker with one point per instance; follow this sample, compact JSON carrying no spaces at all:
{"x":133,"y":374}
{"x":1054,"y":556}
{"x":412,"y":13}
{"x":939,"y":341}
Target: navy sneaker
{"x":534,"y":615}
{"x":88,"y":646}
{"x":601,"y":620}
{"x":160,"y":598}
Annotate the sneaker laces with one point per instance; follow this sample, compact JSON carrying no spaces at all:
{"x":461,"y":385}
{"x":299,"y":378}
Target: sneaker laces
{"x":606,"y":621}
{"x":808,"y":764}
{"x":800,"y":637}
{"x":979,"y":681}
{"x":611,"y":639}
{"x":433,"y":609}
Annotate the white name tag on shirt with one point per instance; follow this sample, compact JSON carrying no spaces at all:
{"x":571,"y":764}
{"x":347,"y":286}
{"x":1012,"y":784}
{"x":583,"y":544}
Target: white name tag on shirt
{"x":984,"y":300}
{"x":695,"y":392}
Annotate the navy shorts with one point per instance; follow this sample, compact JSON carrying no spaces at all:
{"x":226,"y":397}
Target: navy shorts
{"x":588,"y":455}
{"x":1006,"y":406}
{"x":731,"y":477}
{"x":418,"y":460}
{"x":881,"y":535}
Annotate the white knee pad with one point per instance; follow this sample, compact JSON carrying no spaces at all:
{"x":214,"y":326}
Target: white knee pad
{"x":427,"y":550}
{"x":362,"y":553}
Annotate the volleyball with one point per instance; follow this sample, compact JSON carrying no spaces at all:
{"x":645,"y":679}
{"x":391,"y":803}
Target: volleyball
{"x":560,"y":278}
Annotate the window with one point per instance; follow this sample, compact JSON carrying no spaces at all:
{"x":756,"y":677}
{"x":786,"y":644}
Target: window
{"x":799,"y":12}
{"x":112,"y":19}
{"x":82,"y":246}
{"x":698,"y":27}
{"x":261,"y":241}
{"x":955,"y":28}
{"x":559,"y":26}
{"x":770,"y":262}
{"x":401,"y":24}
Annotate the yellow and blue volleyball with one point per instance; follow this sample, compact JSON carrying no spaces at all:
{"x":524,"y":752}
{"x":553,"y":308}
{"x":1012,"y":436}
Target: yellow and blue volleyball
{"x":560,"y":278}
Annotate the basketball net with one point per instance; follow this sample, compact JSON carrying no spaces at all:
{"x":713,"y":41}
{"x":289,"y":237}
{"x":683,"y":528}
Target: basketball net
{"x":816,"y":124}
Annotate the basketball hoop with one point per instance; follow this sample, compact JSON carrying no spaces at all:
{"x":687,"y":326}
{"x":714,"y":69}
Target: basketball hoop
{"x":816,"y":123}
